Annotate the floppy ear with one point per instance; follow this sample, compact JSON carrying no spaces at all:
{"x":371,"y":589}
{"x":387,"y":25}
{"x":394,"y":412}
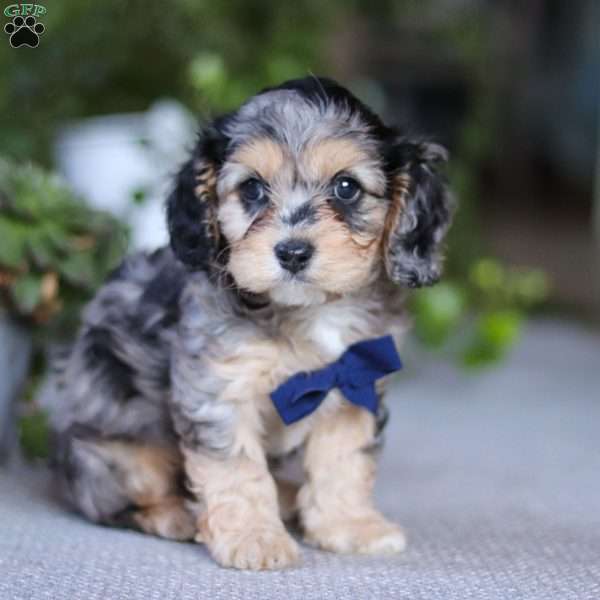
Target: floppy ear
{"x":419,"y":215}
{"x":192,"y":205}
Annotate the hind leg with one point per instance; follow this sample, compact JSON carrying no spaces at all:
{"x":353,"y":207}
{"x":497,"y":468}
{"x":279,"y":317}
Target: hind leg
{"x":126,"y":484}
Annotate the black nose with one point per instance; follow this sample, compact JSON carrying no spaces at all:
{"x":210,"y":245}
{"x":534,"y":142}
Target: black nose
{"x":293,"y":255}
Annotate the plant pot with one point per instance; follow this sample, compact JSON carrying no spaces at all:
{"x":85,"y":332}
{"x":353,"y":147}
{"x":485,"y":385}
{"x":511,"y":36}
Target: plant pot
{"x":15,"y":354}
{"x":111,"y":159}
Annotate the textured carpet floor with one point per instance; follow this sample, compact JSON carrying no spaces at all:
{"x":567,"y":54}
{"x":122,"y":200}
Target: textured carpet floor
{"x":495,"y":477}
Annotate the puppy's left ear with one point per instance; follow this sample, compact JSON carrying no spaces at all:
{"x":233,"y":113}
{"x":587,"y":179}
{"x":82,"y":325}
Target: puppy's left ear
{"x":419,"y":215}
{"x":193,"y":203}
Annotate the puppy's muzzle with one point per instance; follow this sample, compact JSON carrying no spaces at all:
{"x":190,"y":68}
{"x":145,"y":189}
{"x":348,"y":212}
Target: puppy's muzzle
{"x":294,"y":255}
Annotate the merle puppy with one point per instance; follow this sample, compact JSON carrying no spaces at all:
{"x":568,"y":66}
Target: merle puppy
{"x":296,"y":225}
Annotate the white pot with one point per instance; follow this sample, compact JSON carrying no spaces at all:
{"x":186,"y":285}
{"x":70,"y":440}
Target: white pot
{"x":106,"y":159}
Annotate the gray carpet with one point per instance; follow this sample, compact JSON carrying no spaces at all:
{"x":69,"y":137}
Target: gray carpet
{"x":495,"y":477}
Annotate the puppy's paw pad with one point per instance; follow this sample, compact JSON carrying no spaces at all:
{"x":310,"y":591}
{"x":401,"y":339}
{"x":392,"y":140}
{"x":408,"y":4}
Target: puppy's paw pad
{"x":259,"y":549}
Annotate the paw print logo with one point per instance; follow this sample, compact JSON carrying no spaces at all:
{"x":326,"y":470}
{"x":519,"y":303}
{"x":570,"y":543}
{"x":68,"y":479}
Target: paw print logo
{"x":24,"y":32}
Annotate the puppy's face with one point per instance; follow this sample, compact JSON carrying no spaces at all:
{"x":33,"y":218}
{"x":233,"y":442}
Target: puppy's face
{"x":303,"y":210}
{"x":304,"y":195}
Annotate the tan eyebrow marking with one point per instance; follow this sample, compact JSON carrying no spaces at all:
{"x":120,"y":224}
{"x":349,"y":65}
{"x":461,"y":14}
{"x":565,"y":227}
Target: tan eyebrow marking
{"x":322,"y":160}
{"x":263,"y":156}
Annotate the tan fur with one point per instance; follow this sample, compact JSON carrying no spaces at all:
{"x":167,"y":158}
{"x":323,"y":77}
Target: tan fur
{"x":149,"y":474}
{"x":264,"y":157}
{"x":400,"y":187}
{"x":169,"y":518}
{"x":336,"y":503}
{"x":206,"y":179}
{"x":240,"y":523}
{"x":324,"y":159}
{"x":258,"y":273}
{"x":205,"y":191}
{"x":255,"y":268}
{"x":151,"y":470}
{"x":337,"y":245}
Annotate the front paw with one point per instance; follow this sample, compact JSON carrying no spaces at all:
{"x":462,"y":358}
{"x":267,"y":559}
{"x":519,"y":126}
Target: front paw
{"x":362,"y":535}
{"x":256,"y":548}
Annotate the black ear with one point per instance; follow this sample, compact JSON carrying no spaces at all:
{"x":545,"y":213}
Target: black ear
{"x":419,"y":215}
{"x":193,"y":203}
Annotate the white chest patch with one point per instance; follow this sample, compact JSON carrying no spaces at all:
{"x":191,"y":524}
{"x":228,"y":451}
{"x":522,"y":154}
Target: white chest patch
{"x":333,"y":327}
{"x":326,"y":331}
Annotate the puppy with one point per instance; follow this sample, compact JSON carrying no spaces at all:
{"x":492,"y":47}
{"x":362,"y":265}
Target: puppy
{"x":296,"y":225}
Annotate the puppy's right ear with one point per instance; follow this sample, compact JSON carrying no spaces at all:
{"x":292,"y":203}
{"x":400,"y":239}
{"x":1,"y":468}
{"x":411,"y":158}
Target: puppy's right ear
{"x":192,"y":205}
{"x":419,"y":215}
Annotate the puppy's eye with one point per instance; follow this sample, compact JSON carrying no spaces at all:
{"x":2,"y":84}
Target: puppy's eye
{"x":346,"y":189}
{"x":252,"y":191}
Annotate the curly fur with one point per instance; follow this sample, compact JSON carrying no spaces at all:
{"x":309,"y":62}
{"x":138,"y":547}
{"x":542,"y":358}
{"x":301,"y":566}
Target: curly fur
{"x":161,"y":408}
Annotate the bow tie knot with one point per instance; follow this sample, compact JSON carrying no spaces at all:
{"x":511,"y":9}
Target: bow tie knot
{"x":354,"y":373}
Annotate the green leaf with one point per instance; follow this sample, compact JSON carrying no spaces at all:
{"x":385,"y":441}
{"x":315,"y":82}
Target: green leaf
{"x":57,"y":237}
{"x":207,"y":70}
{"x":488,"y":275}
{"x":500,"y":328}
{"x":531,"y":287}
{"x":13,"y":238}
{"x":438,"y":311}
{"x":34,"y":435}
{"x":78,"y":268}
{"x":208,"y":75}
{"x":26,"y":293}
{"x":41,"y":249}
{"x":494,"y":335}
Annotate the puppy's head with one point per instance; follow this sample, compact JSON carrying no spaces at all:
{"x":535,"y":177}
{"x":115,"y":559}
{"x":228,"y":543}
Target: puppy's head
{"x":304,"y":194}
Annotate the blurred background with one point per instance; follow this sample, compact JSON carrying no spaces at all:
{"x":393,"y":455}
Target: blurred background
{"x":95,"y":120}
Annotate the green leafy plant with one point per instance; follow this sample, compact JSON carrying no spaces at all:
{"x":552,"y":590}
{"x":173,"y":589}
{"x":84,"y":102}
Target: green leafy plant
{"x":54,"y":253}
{"x":54,"y":250}
{"x":484,"y":313}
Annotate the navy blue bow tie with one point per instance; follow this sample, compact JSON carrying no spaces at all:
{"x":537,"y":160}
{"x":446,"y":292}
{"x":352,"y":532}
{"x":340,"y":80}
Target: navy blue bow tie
{"x":354,"y":373}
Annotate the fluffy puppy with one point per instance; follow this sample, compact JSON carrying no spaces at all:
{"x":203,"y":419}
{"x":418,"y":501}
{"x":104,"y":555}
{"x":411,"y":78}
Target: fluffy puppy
{"x":295,"y":226}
